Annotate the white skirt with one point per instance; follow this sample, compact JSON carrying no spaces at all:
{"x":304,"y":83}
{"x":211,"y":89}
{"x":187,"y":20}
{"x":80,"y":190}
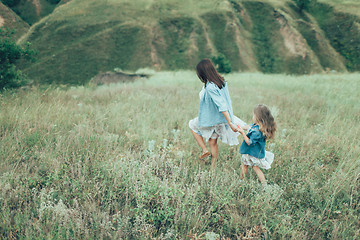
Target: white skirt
{"x":264,"y":163}
{"x":222,"y":131}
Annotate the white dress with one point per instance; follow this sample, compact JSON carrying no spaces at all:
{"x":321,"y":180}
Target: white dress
{"x":222,"y":130}
{"x":264,"y":163}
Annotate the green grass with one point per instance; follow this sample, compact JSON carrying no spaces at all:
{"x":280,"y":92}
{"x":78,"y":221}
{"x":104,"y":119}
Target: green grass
{"x":119,"y":161}
{"x":175,"y":49}
{"x":348,"y":6}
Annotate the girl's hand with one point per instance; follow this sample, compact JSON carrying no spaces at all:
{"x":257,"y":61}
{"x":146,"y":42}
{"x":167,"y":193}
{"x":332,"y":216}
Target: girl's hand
{"x":245,"y":127}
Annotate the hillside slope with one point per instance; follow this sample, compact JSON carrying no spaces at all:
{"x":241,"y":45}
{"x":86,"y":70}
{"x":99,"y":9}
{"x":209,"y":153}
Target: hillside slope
{"x":9,"y":19}
{"x":84,"y":37}
{"x":32,"y":11}
{"x":346,"y":6}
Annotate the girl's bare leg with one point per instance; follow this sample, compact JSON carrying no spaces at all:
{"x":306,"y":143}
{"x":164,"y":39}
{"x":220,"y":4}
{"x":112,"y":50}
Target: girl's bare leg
{"x":260,"y":174}
{"x":244,"y":169}
{"x":200,"y":141}
{"x":214,"y":152}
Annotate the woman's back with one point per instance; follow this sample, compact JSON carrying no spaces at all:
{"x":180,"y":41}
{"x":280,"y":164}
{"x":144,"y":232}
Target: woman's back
{"x":213,"y":102}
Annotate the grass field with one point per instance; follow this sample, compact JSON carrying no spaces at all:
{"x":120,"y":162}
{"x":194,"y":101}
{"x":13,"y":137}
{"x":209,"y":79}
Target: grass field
{"x":119,"y":161}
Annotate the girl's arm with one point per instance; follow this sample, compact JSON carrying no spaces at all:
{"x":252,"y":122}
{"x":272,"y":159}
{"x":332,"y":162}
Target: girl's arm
{"x":246,"y":139}
{"x":246,"y":127}
{"x":228,"y":119}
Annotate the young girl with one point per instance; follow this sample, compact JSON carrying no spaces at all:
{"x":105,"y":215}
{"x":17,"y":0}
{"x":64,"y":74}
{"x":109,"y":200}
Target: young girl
{"x":216,"y":119}
{"x":253,"y":147}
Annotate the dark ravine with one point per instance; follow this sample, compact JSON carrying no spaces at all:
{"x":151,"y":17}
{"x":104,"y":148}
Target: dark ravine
{"x":115,"y":77}
{"x":253,"y":35}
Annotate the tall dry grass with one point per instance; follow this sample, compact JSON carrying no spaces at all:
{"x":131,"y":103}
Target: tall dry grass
{"x":120,"y":162}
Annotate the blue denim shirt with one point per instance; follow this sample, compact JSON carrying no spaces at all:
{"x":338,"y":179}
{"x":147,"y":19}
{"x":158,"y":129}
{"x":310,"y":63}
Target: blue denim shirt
{"x":212,"y":103}
{"x":257,"y":141}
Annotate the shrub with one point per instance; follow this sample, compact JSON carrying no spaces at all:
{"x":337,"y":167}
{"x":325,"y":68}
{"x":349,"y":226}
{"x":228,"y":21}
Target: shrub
{"x":53,"y":1}
{"x":222,"y":64}
{"x":304,"y":4}
{"x":10,"y":54}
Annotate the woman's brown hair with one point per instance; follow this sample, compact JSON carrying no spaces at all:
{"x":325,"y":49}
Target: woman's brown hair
{"x":206,"y":71}
{"x":265,"y":120}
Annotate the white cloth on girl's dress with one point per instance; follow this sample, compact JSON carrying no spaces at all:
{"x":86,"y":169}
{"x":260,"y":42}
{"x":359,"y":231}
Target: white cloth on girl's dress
{"x":222,"y":131}
{"x":264,"y":163}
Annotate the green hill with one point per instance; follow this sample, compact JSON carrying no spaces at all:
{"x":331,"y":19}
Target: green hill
{"x":347,"y":6}
{"x":82,"y":38}
{"x":32,"y":11}
{"x":11,"y":20}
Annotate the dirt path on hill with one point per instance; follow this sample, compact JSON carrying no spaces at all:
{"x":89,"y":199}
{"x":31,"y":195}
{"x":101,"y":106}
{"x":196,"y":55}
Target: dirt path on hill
{"x":38,"y":6}
{"x":294,"y":41}
{"x":2,"y":21}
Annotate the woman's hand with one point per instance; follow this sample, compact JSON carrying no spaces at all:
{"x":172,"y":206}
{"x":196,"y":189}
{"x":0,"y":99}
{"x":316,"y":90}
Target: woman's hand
{"x":234,"y":127}
{"x":228,"y":119}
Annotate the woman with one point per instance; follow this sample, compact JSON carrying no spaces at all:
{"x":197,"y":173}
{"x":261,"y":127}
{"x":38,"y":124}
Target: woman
{"x":216,"y":119}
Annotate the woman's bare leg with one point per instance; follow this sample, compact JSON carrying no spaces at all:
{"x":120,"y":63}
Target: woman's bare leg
{"x":214,"y":149}
{"x":244,"y":169}
{"x":199,"y":139}
{"x":260,"y":174}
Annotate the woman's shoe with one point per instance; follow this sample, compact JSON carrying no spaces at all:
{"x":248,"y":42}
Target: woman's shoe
{"x":204,"y":155}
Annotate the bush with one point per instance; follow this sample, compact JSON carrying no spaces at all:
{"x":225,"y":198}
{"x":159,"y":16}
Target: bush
{"x":223,"y":65}
{"x":304,"y":4}
{"x":53,"y":1}
{"x":10,"y":54}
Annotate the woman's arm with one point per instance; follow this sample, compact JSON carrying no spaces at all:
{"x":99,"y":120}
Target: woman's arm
{"x":219,"y":101}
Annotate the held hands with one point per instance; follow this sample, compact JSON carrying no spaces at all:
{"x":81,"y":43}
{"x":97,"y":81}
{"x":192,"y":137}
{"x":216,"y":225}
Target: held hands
{"x":239,"y":129}
{"x":234,"y":128}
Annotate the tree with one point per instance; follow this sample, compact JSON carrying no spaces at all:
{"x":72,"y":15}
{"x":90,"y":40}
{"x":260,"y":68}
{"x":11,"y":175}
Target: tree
{"x":223,"y":65}
{"x":10,"y":55}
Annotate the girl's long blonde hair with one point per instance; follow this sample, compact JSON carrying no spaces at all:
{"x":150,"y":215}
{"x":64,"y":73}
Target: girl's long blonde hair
{"x":265,"y":120}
